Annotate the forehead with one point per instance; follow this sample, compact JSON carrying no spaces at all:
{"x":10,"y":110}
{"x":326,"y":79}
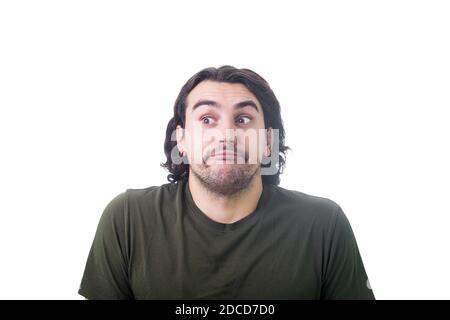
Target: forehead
{"x":222,"y":92}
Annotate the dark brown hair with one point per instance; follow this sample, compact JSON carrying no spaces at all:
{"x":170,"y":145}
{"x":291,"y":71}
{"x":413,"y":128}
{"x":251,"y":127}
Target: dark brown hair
{"x":256,"y":85}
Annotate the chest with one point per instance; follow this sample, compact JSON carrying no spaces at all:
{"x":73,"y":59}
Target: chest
{"x":182,"y":267}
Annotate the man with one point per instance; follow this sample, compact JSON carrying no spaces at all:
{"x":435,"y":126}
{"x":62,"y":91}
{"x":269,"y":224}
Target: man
{"x":222,"y":228}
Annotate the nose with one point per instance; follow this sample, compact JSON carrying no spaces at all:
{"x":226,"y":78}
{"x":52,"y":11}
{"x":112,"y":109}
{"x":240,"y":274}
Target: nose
{"x":227,"y":132}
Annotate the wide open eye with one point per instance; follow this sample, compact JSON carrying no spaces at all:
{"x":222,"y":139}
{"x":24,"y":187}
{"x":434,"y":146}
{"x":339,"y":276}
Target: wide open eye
{"x":244,"y":120}
{"x":207,"y":120}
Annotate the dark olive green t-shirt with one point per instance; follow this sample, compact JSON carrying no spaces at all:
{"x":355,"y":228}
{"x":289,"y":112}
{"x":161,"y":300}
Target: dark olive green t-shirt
{"x":155,"y":243}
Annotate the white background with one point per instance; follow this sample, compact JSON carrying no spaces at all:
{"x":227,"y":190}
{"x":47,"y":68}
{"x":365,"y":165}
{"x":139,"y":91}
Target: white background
{"x":87,"y":88}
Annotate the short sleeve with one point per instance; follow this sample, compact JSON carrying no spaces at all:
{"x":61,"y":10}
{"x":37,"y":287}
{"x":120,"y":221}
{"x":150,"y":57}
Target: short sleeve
{"x":106,"y":272}
{"x":345,"y":276}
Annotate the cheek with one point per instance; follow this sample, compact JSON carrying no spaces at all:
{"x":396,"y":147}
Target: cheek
{"x":254,"y":144}
{"x":207,"y":137}
{"x":198,"y":147}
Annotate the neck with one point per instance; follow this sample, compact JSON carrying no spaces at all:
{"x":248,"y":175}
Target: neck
{"x":226,"y":209}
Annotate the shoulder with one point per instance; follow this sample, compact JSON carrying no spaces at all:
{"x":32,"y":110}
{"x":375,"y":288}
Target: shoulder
{"x":135,"y":207}
{"x":120,"y":204}
{"x":298,"y":201}
{"x":302,"y":210}
{"x":153,"y":194}
{"x":153,"y":190}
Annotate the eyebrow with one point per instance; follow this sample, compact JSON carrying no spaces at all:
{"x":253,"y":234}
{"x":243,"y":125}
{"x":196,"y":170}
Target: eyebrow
{"x":239,"y":105}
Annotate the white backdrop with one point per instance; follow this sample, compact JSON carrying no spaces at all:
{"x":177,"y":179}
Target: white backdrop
{"x":87,"y":88}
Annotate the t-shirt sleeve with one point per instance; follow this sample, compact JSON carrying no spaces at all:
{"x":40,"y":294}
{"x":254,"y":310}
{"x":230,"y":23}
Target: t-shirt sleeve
{"x":345,"y":275}
{"x":106,"y":272}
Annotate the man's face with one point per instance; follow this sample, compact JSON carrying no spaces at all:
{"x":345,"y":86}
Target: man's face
{"x":224,"y":137}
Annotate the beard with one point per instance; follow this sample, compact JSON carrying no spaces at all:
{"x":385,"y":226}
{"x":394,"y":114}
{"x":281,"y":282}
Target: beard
{"x":227,"y":180}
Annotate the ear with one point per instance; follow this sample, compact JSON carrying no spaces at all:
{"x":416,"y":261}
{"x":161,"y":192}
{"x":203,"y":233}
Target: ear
{"x":268,"y":150}
{"x":180,"y":138}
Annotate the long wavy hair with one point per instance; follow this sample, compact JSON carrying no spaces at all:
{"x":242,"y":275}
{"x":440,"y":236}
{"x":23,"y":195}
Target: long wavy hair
{"x":256,"y":85}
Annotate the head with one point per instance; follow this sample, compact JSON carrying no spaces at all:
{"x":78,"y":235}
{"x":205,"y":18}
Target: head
{"x":224,"y":126}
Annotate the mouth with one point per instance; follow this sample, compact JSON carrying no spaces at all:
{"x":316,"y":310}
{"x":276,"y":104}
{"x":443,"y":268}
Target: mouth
{"x":226,"y":155}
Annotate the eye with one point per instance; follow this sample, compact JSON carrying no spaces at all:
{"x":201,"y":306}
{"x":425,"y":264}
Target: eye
{"x":206,"y":120}
{"x":244,"y":120}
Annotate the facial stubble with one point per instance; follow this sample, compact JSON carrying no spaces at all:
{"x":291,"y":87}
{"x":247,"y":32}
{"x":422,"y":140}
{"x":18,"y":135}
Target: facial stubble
{"x":226,"y":180}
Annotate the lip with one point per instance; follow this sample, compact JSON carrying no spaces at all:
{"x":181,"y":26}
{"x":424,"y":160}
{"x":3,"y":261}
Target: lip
{"x":225,"y":155}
